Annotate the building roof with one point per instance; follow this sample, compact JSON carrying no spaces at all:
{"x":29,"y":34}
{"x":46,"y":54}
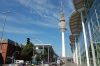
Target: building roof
{"x":78,"y":4}
{"x":8,"y":41}
{"x":46,"y":46}
{"x":72,"y":40}
{"x":42,"y":44}
{"x":75,"y":23}
{"x":4,"y":41}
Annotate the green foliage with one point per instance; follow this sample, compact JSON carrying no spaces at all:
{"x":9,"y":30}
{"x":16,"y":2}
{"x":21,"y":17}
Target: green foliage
{"x":27,"y":51}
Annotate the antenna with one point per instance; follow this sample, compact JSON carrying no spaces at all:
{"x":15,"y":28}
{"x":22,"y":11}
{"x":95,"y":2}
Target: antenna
{"x":5,"y":19}
{"x":3,"y":29}
{"x":62,"y":6}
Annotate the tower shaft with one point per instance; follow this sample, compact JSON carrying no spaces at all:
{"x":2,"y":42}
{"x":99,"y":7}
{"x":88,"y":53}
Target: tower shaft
{"x":63,"y":45}
{"x":62,"y":25}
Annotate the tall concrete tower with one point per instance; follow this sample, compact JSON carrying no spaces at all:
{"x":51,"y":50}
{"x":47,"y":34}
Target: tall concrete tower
{"x":62,"y":25}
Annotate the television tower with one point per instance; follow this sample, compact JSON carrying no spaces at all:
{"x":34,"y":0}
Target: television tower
{"x":62,"y":25}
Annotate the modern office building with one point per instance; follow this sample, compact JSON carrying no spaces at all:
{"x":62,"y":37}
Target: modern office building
{"x":47,"y":49}
{"x":10,"y":51}
{"x":85,"y":29}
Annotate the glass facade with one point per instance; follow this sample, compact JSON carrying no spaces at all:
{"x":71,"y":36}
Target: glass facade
{"x":82,"y":48}
{"x":92,"y":18}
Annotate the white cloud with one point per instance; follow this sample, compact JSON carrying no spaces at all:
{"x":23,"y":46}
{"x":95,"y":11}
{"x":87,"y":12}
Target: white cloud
{"x":41,"y":7}
{"x":44,"y":9}
{"x":17,"y":30}
{"x":17,"y":18}
{"x":38,"y":6}
{"x":48,"y":25}
{"x":21,"y":20}
{"x":24,"y":20}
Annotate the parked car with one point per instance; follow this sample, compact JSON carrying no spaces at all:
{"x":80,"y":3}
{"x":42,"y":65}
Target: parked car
{"x":19,"y":61}
{"x":53,"y":63}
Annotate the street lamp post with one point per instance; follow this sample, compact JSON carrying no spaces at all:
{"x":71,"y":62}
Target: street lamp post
{"x":85,"y":39}
{"x":48,"y":54}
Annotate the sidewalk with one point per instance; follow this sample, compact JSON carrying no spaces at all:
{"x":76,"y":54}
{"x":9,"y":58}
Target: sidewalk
{"x":69,"y":64}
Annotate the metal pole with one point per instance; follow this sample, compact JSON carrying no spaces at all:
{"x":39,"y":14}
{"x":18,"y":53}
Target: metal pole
{"x":97,"y":17}
{"x":63,"y":46}
{"x":43,"y":58}
{"x":74,"y":57}
{"x":33,"y":52}
{"x":43,"y":49}
{"x":85,"y":40}
{"x":76,"y":51}
{"x":91,"y":42}
{"x":48,"y":54}
{"x":79,"y":53}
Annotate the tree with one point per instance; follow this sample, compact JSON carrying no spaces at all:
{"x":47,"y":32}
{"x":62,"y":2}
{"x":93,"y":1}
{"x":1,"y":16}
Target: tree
{"x":27,"y":51}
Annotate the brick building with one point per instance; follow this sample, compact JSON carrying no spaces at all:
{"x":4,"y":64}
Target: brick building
{"x":10,"y":50}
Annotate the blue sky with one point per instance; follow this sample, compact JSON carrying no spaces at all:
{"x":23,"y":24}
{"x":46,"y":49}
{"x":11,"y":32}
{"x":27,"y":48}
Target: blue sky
{"x":36,"y":19}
